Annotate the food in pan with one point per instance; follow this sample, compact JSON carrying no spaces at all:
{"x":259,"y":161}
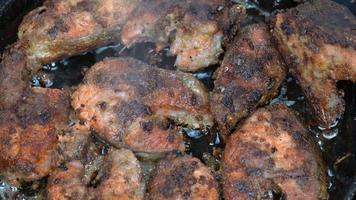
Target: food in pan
{"x":182,"y":177}
{"x":250,"y":75}
{"x":28,"y":140}
{"x":273,"y":154}
{"x":119,"y":177}
{"x":318,"y":41}
{"x":134,"y":105}
{"x":67,"y":27}
{"x":95,"y":140}
{"x":194,"y":29}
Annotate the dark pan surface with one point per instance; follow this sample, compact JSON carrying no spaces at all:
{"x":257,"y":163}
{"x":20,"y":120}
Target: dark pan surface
{"x":338,"y":144}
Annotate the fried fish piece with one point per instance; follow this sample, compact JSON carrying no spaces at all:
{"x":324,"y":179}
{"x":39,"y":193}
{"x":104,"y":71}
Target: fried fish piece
{"x":74,"y":141}
{"x":28,"y":139}
{"x":13,"y":79}
{"x":182,"y":178}
{"x":120,"y":177}
{"x":30,"y":116}
{"x":129,"y":103}
{"x":318,"y":41}
{"x":273,"y":154}
{"x":194,"y":30}
{"x":67,"y":27}
{"x":250,"y":75}
{"x":65,"y":184}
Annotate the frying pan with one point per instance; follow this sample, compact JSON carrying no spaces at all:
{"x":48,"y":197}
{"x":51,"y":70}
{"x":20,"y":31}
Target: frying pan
{"x":338,"y":151}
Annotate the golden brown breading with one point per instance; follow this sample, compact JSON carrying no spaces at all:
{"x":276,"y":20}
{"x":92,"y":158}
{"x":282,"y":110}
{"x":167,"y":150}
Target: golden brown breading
{"x":318,"y":41}
{"x":65,"y":184}
{"x":273,"y":153}
{"x":119,"y":176}
{"x":250,"y":74}
{"x":126,"y":101}
{"x":182,"y":178}
{"x":28,"y":140}
{"x":29,"y":118}
{"x":13,"y":79}
{"x":67,"y":27}
{"x":122,"y":177}
{"x":193,"y":29}
{"x":74,"y":142}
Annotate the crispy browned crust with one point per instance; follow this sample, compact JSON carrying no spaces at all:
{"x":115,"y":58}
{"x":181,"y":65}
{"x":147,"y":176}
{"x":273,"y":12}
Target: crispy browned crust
{"x":122,"y":177}
{"x":63,"y":28}
{"x":272,"y":151}
{"x":30,"y":117}
{"x":182,"y":178}
{"x":318,"y":40}
{"x":194,"y":30}
{"x":13,"y":79}
{"x":251,"y":73}
{"x":64,"y":184}
{"x":74,"y":142}
{"x":118,"y":176}
{"x":28,"y":140}
{"x":128,"y":103}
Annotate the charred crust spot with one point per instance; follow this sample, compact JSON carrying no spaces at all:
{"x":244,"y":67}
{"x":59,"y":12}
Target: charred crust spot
{"x":89,"y":6}
{"x":59,"y":26}
{"x":298,"y":137}
{"x":192,"y":181}
{"x":186,"y":195}
{"x":228,"y":102}
{"x":26,"y":167}
{"x":273,"y":149}
{"x":146,"y":126}
{"x":184,"y":94}
{"x":129,"y":111}
{"x":44,"y":117}
{"x":178,"y":179}
{"x":254,"y":96}
{"x":193,"y":10}
{"x":250,"y":44}
{"x":52,"y":32}
{"x":287,"y":29}
{"x":211,"y":14}
{"x":274,"y":192}
{"x":253,"y":171}
{"x":243,"y":187}
{"x":102,"y":105}
{"x":12,"y":130}
{"x":164,"y":124}
{"x":194,"y":100}
{"x":57,"y":181}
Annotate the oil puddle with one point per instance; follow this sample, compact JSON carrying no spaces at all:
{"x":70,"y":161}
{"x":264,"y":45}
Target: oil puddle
{"x":70,"y":72}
